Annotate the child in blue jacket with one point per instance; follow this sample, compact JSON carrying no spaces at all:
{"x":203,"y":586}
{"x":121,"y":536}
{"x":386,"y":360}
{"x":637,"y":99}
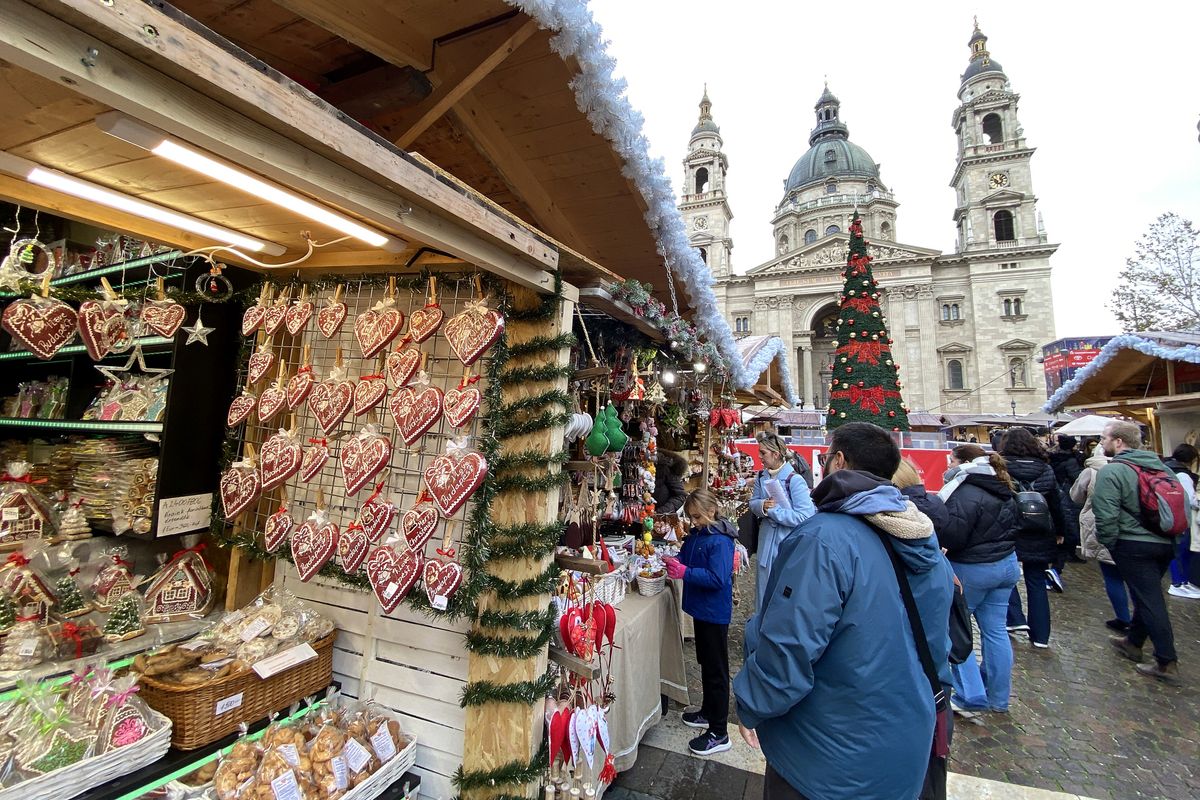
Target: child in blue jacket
{"x":706,"y":566}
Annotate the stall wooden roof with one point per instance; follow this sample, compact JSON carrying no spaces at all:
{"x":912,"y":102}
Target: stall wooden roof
{"x":472,"y":89}
{"x":1135,"y":369}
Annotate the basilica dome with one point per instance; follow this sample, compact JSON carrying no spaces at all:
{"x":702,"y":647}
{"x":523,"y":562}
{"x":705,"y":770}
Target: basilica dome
{"x":832,"y":157}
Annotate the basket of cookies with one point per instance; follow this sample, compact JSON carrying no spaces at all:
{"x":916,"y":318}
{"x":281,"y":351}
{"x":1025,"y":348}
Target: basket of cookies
{"x":253,"y":662}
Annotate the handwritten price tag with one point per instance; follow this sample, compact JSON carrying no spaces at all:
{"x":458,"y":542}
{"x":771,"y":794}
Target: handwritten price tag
{"x":229,"y":704}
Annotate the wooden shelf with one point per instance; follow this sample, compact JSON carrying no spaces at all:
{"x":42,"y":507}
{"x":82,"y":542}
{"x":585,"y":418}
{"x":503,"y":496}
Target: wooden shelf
{"x":573,"y":664}
{"x":86,"y":425}
{"x":598,"y":298}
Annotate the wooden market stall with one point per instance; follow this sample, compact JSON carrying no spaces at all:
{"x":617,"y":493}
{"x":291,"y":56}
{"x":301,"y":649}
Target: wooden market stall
{"x":433,"y":140}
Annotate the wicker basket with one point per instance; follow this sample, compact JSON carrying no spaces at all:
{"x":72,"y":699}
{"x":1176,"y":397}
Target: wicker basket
{"x":97,"y":770}
{"x":610,"y":588}
{"x":648,"y":587}
{"x":193,"y":709}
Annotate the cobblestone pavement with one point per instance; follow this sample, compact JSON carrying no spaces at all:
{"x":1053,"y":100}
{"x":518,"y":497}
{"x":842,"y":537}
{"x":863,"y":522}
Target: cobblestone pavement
{"x":1081,"y":720}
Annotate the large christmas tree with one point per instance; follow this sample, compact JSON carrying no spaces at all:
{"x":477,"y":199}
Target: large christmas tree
{"x":866,"y":379}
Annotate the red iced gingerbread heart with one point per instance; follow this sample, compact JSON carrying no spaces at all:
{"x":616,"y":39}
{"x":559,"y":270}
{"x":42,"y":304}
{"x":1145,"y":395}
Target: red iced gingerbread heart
{"x":260,"y":364}
{"x":376,"y":517}
{"x":240,"y":486}
{"x":367,"y":394}
{"x":240,"y":409}
{"x":279,"y":460}
{"x":374,"y":329}
{"x":42,"y":325}
{"x":424,"y":322}
{"x":273,"y":318}
{"x":329,"y":402}
{"x":313,"y":544}
{"x":252,"y":319}
{"x":271,"y":402}
{"x":418,"y":524}
{"x":315,"y":456}
{"x":393,"y":575}
{"x":102,"y":327}
{"x":442,"y":579}
{"x":461,"y":405}
{"x":330,"y":319}
{"x":163,"y":316}
{"x":362,"y":458}
{"x":415,"y":412}
{"x":276,"y":529}
{"x":473,"y":331}
{"x":452,"y":480}
{"x":297,"y":316}
{"x":298,"y":387}
{"x":352,"y":548}
{"x":402,"y":365}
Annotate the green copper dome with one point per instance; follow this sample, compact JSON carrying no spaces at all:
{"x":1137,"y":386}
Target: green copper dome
{"x":830,"y":152}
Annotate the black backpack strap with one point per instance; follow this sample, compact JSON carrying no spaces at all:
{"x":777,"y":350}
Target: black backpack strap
{"x":914,"y":617}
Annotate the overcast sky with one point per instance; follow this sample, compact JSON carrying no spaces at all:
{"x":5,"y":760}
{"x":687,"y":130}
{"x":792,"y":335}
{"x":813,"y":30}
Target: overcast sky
{"x":1108,"y":98}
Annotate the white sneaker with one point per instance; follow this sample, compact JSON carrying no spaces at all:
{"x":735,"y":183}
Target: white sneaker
{"x":1186,"y":590}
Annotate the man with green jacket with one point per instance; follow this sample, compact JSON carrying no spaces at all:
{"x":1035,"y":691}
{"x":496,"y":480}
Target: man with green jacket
{"x":1141,"y":555}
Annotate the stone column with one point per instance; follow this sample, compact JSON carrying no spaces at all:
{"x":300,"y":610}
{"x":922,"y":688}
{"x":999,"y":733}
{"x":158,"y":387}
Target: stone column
{"x":930,"y":384}
{"x":806,"y":358}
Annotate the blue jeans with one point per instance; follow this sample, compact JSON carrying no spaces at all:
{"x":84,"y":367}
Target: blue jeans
{"x":1181,"y":566}
{"x":1039,"y":602}
{"x":1118,"y":595}
{"x":986,"y":588}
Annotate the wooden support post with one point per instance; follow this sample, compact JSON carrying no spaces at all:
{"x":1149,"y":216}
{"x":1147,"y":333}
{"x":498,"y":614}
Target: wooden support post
{"x":499,"y":733}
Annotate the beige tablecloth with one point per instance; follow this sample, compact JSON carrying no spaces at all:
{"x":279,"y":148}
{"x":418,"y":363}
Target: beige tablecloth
{"x":648,"y":664}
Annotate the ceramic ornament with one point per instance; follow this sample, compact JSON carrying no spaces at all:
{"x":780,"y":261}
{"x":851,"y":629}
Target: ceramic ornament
{"x":369,"y":392}
{"x":462,"y":402}
{"x":330,"y":400}
{"x":161,"y":315}
{"x":315,"y":456}
{"x":280,"y":458}
{"x":273,"y":317}
{"x":314,"y":542}
{"x":261,"y":362}
{"x":273,"y":398}
{"x":363,"y":456}
{"x":332,"y":315}
{"x":42,"y":325}
{"x":419,"y":523}
{"x":453,"y":477}
{"x":252,"y":319}
{"x":278,"y":526}
{"x":472,"y":331}
{"x":402,"y":364}
{"x":299,"y":313}
{"x":377,"y":515}
{"x":102,"y":324}
{"x":378,"y":325}
{"x":240,"y":408}
{"x":393,"y":574}
{"x":425,"y":321}
{"x":301,"y":383}
{"x":416,"y":409}
{"x":352,"y":547}
{"x":240,"y":485}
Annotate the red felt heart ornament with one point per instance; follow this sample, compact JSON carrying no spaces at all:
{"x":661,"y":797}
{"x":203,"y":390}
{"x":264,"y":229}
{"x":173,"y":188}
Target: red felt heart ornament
{"x":442,"y":579}
{"x":418,"y":524}
{"x":352,"y":548}
{"x":402,"y":365}
{"x":240,"y":409}
{"x":424,"y":322}
{"x":452,"y":480}
{"x":42,"y":325}
{"x":362,"y":457}
{"x":473,"y":331}
{"x":277,"y":528}
{"x":260,"y":364}
{"x":374,"y":328}
{"x":240,"y":486}
{"x":163,"y":316}
{"x":415,"y":412}
{"x":315,"y":456}
{"x":102,"y":327}
{"x":330,"y":319}
{"x":271,"y":402}
{"x":367,"y":394}
{"x":393,"y":575}
{"x":329,"y":402}
{"x":462,"y":404}
{"x":376,"y":516}
{"x":298,"y":387}
{"x":279,"y":460}
{"x":313,"y":544}
{"x":297,"y":316}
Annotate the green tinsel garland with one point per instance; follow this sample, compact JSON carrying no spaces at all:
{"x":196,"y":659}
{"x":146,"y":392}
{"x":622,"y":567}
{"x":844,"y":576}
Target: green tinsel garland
{"x":530,"y":587}
{"x":548,"y":372}
{"x":525,"y":483}
{"x":553,"y":397}
{"x":528,"y":458}
{"x":523,"y":692}
{"x":508,"y":647}
{"x":514,"y":772}
{"x":542,"y":344}
{"x":520,"y":548}
{"x":518,"y":620}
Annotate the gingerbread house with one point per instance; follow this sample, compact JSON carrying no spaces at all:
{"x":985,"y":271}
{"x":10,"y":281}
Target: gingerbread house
{"x":182,"y":589}
{"x":24,"y":516}
{"x":31,"y":595}
{"x":111,"y":584}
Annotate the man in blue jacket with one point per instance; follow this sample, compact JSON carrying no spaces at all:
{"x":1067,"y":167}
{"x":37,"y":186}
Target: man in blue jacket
{"x":832,"y":686}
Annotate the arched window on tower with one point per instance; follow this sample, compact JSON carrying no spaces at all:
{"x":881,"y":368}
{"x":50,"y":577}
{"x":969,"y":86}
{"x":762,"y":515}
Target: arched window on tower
{"x":954,"y":374}
{"x":954,"y":312}
{"x":885,"y":231}
{"x":993,"y":129}
{"x":831,"y":187}
{"x":946,"y":311}
{"x":1003,"y":222}
{"x":832,"y":229}
{"x":703,"y":254}
{"x":702,"y":180}
{"x":810,"y":236}
{"x":1018,"y":306}
{"x":1008,"y":307}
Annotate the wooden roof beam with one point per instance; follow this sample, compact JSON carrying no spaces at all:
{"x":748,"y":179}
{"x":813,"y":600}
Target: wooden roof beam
{"x":447,"y":95}
{"x":370,"y":24}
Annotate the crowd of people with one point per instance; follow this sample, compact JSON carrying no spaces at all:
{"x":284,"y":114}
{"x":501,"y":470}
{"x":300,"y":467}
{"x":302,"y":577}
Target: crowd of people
{"x":849,"y":675}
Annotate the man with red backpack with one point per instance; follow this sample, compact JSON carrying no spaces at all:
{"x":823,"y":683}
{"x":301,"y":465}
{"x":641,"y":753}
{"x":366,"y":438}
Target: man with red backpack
{"x":1140,"y":510}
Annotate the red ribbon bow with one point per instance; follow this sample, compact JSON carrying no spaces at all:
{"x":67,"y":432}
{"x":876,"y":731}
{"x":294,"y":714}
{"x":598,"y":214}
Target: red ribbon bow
{"x":7,"y":478}
{"x":29,"y":618}
{"x":73,"y":572}
{"x":375,"y":377}
{"x":17,"y":559}
{"x":322,"y":442}
{"x":374,"y":494}
{"x":71,"y":631}
{"x":354,"y":526}
{"x":126,"y":564}
{"x":306,"y":368}
{"x":467,"y":382}
{"x":197,"y":549}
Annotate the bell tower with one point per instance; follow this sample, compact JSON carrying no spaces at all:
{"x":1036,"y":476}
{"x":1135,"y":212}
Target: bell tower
{"x":704,"y":205}
{"x":996,"y":208}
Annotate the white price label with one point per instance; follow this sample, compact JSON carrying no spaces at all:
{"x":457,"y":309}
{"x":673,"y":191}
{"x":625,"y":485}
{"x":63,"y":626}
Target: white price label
{"x":290,"y":755}
{"x":390,"y":590}
{"x":229,"y":703}
{"x":27,"y":648}
{"x":285,"y":787}
{"x":341,"y":776}
{"x":256,"y":629}
{"x":385,"y":748}
{"x":440,"y":602}
{"x":284,"y":660}
{"x":10,"y":515}
{"x":356,"y":755}
{"x":213,"y":666}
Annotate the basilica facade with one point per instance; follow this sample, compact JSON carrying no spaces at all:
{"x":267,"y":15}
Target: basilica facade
{"x":967,"y":325}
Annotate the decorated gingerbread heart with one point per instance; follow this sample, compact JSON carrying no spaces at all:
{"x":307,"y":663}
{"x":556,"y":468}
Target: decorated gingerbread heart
{"x":352,"y":547}
{"x":330,"y":401}
{"x":271,"y":402}
{"x":363,"y":456}
{"x":298,"y":315}
{"x":277,"y":528}
{"x":332,"y":315}
{"x":376,"y":516}
{"x":240,"y":486}
{"x":163,"y":316}
{"x":315,"y":456}
{"x":452,"y":478}
{"x":415,"y":411}
{"x":261,"y":362}
{"x":393,"y":574}
{"x":442,"y":579}
{"x":280,"y":459}
{"x":102,"y":327}
{"x":252,"y":319}
{"x":424,"y":322}
{"x":313,"y":544}
{"x":42,"y":325}
{"x":368,"y":393}
{"x":274,"y":316}
{"x":472,"y":331}
{"x":418,"y":524}
{"x":377,"y":326}
{"x":402,"y":365}
{"x":240,"y":409}
{"x":461,"y":404}
{"x":299,"y":385}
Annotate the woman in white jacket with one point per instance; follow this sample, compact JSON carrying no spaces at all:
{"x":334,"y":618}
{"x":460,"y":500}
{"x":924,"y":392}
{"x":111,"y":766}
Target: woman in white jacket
{"x":1114,"y":585}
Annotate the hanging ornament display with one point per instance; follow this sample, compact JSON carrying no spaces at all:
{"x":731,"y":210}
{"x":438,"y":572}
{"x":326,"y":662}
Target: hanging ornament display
{"x":333,"y":314}
{"x":299,"y":313}
{"x":198,"y":332}
{"x":416,"y":409}
{"x":280,"y":458}
{"x":393,"y":573}
{"x":454,"y":476}
{"x":378,"y":325}
{"x":279,"y":525}
{"x":240,"y":408}
{"x":161,"y":315}
{"x":363,"y":456}
{"x":352,"y":547}
{"x":301,"y":383}
{"x":462,"y":402}
{"x":315,"y":456}
{"x":331,"y":399}
{"x":241,"y":484}
{"x":252,"y":318}
{"x":273,"y":317}
{"x":369,"y":392}
{"x":274,"y":397}
{"x":475,"y":329}
{"x":403,"y":363}
{"x":442,"y":577}
{"x":377,"y":514}
{"x":102,"y":324}
{"x":261,"y":362}
{"x":314,"y":542}
{"x":425,"y":321}
{"x":419,"y":523}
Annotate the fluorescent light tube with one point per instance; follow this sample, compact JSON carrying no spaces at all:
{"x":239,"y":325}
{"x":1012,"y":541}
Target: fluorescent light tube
{"x":130,"y":130}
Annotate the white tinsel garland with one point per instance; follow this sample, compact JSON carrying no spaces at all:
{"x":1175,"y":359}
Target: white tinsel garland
{"x":601,"y":96}
{"x":1126,"y":341}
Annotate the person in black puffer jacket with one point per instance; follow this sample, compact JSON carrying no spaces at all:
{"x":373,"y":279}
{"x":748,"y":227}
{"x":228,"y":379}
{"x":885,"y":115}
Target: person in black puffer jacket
{"x":1067,"y":463}
{"x":1037,"y":550}
{"x":980,"y":541}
